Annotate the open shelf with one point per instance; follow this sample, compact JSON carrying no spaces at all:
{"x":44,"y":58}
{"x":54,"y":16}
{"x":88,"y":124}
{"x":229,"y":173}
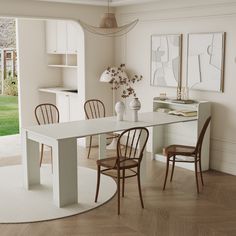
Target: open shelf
{"x":63,"y":61}
{"x":63,"y":66}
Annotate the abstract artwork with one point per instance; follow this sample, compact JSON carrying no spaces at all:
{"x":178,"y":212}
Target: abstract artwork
{"x":205,"y":61}
{"x":166,"y":60}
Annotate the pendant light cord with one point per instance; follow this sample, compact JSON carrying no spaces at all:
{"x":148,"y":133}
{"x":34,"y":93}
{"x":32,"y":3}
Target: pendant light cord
{"x":108,"y":6}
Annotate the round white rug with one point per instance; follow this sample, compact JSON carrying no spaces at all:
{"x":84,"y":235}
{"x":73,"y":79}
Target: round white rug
{"x":18,"y":205}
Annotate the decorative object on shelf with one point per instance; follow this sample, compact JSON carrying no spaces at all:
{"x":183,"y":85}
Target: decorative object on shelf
{"x":166,"y":57}
{"x":108,"y":25}
{"x":120,"y":110}
{"x":179,"y":95}
{"x":205,"y":61}
{"x":163,"y":96}
{"x":135,"y":105}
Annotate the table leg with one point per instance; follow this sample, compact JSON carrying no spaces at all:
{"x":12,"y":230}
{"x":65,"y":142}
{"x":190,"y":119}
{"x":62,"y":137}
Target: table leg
{"x":65,"y":184}
{"x":154,"y":142}
{"x":102,"y":146}
{"x":30,"y":161}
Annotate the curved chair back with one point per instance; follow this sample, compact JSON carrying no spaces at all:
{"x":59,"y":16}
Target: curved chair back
{"x":46,"y":113}
{"x":135,"y":140}
{"x":94,"y":108}
{"x":201,"y":136}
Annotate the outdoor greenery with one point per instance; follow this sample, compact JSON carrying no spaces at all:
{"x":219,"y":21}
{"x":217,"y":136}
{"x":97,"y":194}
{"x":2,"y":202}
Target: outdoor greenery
{"x":9,"y":118}
{"x":10,"y":86}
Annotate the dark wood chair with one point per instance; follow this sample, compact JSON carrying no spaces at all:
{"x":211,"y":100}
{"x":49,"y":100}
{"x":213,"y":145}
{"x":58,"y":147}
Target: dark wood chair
{"x":94,"y":109}
{"x":46,"y":113}
{"x":192,"y":152}
{"x":128,"y":159}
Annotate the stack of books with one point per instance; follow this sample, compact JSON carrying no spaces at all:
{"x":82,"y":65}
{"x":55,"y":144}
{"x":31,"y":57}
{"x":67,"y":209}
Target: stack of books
{"x":186,"y":113}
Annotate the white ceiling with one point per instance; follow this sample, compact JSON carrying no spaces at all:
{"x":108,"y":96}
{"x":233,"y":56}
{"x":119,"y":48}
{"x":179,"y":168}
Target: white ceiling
{"x":104,"y":2}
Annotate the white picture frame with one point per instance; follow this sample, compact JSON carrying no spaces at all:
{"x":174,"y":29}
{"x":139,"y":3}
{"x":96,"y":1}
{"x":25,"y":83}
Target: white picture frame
{"x":166,"y":60}
{"x":205,"y":61}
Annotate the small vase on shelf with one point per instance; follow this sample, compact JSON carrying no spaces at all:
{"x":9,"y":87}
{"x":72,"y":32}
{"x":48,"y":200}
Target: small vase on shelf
{"x":135,"y":105}
{"x":120,"y":110}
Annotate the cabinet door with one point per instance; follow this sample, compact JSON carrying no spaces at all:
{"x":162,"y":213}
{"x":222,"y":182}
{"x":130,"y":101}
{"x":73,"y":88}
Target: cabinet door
{"x":51,"y":36}
{"x":72,"y":37}
{"x":61,"y":37}
{"x":74,"y":108}
{"x":63,"y":105}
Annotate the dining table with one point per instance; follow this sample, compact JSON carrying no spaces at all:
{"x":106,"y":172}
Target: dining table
{"x":62,"y":137}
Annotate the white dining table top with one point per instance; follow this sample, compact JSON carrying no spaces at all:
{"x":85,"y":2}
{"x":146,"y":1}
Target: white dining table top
{"x":83,"y":128}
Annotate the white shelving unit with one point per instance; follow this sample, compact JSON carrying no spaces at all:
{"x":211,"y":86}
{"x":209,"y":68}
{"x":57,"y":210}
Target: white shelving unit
{"x":182,"y":133}
{"x":62,"y":51}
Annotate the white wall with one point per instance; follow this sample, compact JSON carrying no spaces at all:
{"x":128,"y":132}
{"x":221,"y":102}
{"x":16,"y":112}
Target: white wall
{"x":99,"y":56}
{"x":33,"y":69}
{"x":134,"y":50}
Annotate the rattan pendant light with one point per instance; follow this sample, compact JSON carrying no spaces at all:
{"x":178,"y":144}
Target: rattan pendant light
{"x":108,"y":25}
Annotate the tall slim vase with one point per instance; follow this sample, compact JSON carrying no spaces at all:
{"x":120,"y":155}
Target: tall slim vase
{"x":135,"y":106}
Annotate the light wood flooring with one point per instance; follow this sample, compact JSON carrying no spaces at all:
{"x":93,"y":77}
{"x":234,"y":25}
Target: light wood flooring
{"x":178,"y":211}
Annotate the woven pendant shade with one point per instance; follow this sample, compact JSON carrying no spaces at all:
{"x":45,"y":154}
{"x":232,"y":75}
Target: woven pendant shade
{"x":108,"y":26}
{"x":108,"y":21}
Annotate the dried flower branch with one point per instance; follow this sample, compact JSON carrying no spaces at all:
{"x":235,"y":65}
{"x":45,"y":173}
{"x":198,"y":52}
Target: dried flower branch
{"x":119,"y":78}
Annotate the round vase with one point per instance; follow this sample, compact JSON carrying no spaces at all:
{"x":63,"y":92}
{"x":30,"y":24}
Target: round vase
{"x":120,"y":110}
{"x":135,"y":105}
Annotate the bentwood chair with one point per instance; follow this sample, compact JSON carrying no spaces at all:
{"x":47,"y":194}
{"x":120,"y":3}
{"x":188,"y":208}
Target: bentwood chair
{"x":46,"y":113}
{"x":127,"y":162}
{"x":192,"y":153}
{"x":94,"y":109}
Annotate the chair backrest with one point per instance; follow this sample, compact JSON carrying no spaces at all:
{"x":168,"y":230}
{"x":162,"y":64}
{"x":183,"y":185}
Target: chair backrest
{"x":132,"y":149}
{"x":94,"y":108}
{"x":201,"y":136}
{"x":46,"y":113}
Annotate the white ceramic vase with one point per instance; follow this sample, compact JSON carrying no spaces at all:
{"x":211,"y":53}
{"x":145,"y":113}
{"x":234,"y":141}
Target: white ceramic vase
{"x":135,"y":105}
{"x":120,"y":110}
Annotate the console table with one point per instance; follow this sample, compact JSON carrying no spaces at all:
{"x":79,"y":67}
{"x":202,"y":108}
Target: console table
{"x":182,"y":133}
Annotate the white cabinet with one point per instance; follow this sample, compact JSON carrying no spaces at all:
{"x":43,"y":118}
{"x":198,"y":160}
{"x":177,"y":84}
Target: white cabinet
{"x":72,"y":38}
{"x":68,"y":106}
{"x":61,"y":37}
{"x":51,"y":36}
{"x":182,"y":133}
{"x":61,"y":41}
{"x":74,"y":108}
{"x":63,"y":105}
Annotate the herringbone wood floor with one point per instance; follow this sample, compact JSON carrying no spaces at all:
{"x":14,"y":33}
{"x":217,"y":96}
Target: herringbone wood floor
{"x":178,"y":211}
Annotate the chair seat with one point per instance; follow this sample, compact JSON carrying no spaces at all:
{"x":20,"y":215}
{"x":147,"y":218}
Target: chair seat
{"x":111,"y":162}
{"x":179,"y":150}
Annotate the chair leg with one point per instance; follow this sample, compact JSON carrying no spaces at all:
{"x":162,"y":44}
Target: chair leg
{"x":41,"y":155}
{"x":98,"y":182}
{"x":118,"y":190}
{"x":123,"y":183}
{"x":90,"y":144}
{"x":139,"y":188}
{"x":200,"y":168}
{"x":196,"y":175}
{"x":173,"y":168}
{"x":167,"y":169}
